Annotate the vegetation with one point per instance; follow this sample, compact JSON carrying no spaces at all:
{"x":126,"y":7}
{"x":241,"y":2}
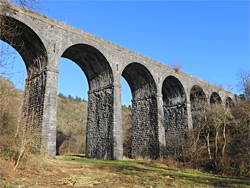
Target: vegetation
{"x":126,"y":130}
{"x":72,"y":122}
{"x":219,"y":142}
{"x":177,"y":66}
{"x":10,"y":100}
{"x":244,"y":82}
{"x":76,"y":99}
{"x":78,"y":171}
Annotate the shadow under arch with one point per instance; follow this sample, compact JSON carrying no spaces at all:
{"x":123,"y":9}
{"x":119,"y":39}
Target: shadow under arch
{"x":33,"y":52}
{"x":26,"y":42}
{"x":229,"y":102}
{"x":215,"y":99}
{"x":174,"y":107}
{"x":144,"y":111}
{"x":199,"y":104}
{"x":99,"y":133}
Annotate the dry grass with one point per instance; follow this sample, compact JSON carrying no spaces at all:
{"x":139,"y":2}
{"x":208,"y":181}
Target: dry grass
{"x":78,"y":171}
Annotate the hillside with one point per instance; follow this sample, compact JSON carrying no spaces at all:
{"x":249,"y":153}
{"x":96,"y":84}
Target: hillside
{"x":71,"y":126}
{"x":72,"y":121}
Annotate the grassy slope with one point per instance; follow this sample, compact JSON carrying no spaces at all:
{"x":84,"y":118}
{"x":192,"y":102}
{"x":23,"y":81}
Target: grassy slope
{"x":138,"y":173}
{"x":78,"y":171}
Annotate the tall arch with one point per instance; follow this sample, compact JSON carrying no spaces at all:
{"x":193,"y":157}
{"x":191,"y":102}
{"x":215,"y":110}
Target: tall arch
{"x":215,"y":99}
{"x":174,"y":106}
{"x":99,"y":134}
{"x":33,"y":52}
{"x":26,"y":42}
{"x":198,"y":103}
{"x":144,"y":111}
{"x":229,"y":102}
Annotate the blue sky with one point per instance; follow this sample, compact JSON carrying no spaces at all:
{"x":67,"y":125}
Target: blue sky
{"x":210,"y":38}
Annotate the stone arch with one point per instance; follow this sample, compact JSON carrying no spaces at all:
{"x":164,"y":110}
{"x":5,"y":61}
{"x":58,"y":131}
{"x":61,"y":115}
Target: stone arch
{"x":93,"y":63}
{"x":215,"y":98}
{"x":33,"y":52}
{"x":198,"y":103}
{"x":27,"y":43}
{"x":144,"y":111}
{"x":229,"y":102}
{"x":99,"y":133}
{"x":174,"y":106}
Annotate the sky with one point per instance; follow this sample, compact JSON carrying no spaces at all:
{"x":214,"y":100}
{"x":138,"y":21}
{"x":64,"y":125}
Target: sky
{"x":209,"y":38}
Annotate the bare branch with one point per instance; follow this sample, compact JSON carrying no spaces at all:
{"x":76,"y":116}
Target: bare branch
{"x":244,"y":82}
{"x":30,"y":4}
{"x":177,"y":66}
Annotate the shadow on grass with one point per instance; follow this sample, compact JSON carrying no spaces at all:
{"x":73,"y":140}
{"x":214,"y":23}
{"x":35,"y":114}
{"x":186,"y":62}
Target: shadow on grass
{"x":139,"y":168}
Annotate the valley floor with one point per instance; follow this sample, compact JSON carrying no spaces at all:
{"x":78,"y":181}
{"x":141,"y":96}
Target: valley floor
{"x":78,"y":171}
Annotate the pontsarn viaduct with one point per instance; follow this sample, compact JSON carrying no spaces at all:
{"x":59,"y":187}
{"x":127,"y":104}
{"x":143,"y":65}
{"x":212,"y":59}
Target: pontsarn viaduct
{"x":162,"y":98}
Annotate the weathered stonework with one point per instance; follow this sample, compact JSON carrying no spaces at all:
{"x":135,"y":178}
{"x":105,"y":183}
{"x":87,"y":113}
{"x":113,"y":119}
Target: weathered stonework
{"x":175,"y":108}
{"x":145,"y":141}
{"x":33,"y":97}
{"x":99,"y":138}
{"x":163,"y":102}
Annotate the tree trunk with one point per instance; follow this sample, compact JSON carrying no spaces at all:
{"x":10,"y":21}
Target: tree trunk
{"x":208,"y":146}
{"x":225,"y":139}
{"x":216,"y":143}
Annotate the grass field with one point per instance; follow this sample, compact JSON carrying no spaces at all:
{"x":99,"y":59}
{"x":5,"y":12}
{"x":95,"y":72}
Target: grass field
{"x":78,"y":171}
{"x":136,"y":173}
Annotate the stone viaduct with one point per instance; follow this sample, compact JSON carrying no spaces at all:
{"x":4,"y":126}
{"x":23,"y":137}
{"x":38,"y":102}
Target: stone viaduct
{"x":162,"y":98}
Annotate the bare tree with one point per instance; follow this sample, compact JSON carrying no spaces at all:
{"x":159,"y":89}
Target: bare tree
{"x":19,"y":139}
{"x":8,"y":32}
{"x":30,"y":4}
{"x":177,"y":66}
{"x":244,"y":82}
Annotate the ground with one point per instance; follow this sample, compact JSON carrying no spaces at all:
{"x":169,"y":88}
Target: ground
{"x":78,"y":171}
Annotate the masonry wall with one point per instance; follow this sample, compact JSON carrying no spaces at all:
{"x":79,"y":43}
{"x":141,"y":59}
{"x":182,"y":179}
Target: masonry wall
{"x":145,"y":142}
{"x":99,"y":137}
{"x":32,"y":112}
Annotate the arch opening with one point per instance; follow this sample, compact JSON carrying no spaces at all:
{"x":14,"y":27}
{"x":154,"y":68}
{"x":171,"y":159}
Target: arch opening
{"x":126,"y":98}
{"x":229,"y":102}
{"x":174,"y":105}
{"x":27,"y":44}
{"x":33,"y":52}
{"x":12,"y":83}
{"x":144,"y":111}
{"x":99,"y":131}
{"x":198,"y":104}
{"x":93,"y":64}
{"x":175,"y":114}
{"x":71,"y":109}
{"x":215,"y":99}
